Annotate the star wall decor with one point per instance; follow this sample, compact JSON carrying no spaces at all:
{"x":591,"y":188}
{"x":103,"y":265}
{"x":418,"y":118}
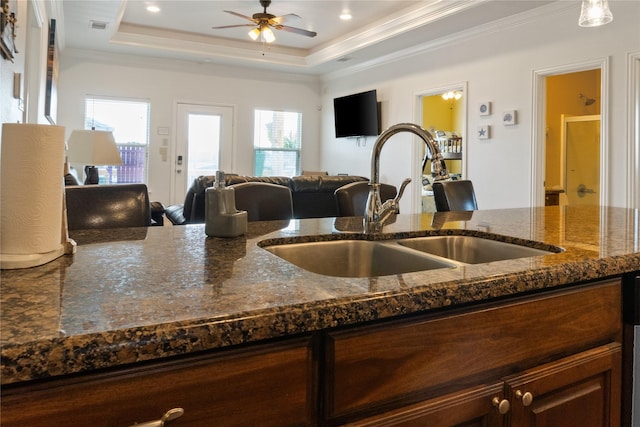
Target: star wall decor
{"x":483,"y":132}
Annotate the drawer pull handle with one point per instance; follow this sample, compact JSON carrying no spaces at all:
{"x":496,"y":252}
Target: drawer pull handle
{"x":502,"y":405}
{"x":526,"y":398}
{"x":170,"y":415}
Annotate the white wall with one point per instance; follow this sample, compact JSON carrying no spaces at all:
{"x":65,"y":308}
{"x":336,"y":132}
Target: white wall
{"x":165,"y":83}
{"x":498,"y":63}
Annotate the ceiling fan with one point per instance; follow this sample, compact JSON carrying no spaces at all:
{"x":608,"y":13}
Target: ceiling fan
{"x":263,"y":22}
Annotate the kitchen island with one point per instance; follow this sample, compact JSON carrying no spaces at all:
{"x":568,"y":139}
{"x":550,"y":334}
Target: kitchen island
{"x":133,"y":304}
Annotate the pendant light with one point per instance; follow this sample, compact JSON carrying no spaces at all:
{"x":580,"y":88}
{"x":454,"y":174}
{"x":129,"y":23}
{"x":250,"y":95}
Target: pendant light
{"x":595,"y":13}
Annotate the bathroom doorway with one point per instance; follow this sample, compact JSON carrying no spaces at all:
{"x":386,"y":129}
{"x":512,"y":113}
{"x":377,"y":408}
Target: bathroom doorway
{"x":565,"y":92}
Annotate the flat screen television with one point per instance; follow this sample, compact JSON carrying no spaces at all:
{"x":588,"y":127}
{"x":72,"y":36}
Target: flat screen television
{"x":357,"y":115}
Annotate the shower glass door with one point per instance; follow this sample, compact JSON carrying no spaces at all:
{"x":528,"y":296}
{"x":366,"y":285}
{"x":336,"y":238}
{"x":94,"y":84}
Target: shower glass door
{"x":581,"y":136}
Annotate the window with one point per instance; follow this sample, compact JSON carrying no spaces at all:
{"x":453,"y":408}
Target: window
{"x":277,"y":142}
{"x":129,"y":122}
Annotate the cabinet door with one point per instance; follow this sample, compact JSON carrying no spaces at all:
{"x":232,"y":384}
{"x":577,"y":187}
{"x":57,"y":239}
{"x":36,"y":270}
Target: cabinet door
{"x":268,"y":385}
{"x":481,"y":406}
{"x":392,"y":364}
{"x":581,"y":390}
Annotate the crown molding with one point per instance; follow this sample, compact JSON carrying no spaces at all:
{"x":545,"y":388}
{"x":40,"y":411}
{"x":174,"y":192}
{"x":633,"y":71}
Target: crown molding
{"x":185,"y":66}
{"x":458,"y":37}
{"x":376,"y":32}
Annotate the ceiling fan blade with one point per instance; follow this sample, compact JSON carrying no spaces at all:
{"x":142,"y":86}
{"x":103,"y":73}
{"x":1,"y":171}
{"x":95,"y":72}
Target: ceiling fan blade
{"x":233,"y":26}
{"x":242,"y":16}
{"x":278,"y":20}
{"x":297,"y":31}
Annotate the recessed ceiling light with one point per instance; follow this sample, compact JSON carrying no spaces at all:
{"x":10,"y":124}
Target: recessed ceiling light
{"x":153,"y":9}
{"x":345,"y":16}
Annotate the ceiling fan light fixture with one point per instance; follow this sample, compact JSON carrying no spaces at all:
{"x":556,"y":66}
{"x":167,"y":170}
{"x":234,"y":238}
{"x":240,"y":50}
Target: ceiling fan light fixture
{"x":595,"y":13}
{"x":254,"y":34}
{"x":268,"y":35}
{"x":264,"y":22}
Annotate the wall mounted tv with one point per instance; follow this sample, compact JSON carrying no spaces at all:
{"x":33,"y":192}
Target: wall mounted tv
{"x":357,"y":115}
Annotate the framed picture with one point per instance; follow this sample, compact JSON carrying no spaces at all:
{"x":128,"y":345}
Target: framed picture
{"x":7,"y":30}
{"x":484,"y":109}
{"x":483,"y":132}
{"x":509,"y":117}
{"x":51,"y":89}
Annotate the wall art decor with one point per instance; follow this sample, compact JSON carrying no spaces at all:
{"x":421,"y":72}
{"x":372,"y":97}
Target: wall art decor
{"x":483,"y":132}
{"x":484,"y":108}
{"x":8,"y":22}
{"x":51,"y":89}
{"x":509,"y":117}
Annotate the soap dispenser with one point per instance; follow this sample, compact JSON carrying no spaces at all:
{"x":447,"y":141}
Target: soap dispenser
{"x":222,"y":219}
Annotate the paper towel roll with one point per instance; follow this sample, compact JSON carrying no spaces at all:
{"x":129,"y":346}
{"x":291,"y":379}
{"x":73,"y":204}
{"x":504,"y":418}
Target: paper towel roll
{"x":31,"y":192}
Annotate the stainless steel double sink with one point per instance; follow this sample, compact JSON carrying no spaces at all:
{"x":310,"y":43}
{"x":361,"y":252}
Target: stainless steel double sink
{"x":370,"y":258}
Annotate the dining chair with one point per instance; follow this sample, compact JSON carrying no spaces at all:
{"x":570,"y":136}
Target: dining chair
{"x":352,"y":198}
{"x":454,"y":196}
{"x":107,"y":206}
{"x":263,"y":201}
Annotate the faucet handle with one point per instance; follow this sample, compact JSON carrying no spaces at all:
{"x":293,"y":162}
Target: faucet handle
{"x":401,"y":191}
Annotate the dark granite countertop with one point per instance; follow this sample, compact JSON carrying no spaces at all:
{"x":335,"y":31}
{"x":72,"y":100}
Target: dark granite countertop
{"x":142,"y":294}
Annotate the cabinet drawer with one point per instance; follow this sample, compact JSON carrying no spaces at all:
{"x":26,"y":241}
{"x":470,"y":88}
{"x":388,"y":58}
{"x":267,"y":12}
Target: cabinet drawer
{"x":267,"y":386}
{"x":396,"y":363}
{"x":474,"y":406}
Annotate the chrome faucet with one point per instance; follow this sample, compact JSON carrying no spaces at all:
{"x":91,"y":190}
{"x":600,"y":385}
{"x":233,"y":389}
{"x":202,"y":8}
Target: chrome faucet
{"x":376,"y":213}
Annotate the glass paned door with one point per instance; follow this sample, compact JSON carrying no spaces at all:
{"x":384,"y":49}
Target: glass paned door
{"x":203,"y":151}
{"x":203,"y":144}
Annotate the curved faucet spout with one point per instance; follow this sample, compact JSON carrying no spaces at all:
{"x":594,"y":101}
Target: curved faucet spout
{"x":377,"y":214}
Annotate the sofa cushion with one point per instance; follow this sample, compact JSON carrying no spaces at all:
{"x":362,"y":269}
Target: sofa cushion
{"x":279,"y":180}
{"x":313,"y":196}
{"x":321,"y":183}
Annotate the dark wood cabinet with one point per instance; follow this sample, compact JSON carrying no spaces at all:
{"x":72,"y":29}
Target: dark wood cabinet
{"x":269,"y":385}
{"x":537,"y":361}
{"x":410,"y":367}
{"x":582,"y":390}
{"x":480,"y":406}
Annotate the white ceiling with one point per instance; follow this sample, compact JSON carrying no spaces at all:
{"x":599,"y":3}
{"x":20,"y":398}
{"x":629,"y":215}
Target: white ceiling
{"x":182,"y":29}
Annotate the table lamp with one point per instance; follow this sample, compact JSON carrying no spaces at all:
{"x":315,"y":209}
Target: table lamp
{"x":93,"y":147}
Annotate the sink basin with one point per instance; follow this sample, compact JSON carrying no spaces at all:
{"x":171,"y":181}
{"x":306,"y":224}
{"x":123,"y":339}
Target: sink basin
{"x":470,"y":249}
{"x":356,"y":258}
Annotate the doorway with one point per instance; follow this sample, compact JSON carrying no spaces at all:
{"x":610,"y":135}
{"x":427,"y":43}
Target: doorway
{"x":575,"y":90}
{"x":204,"y":144}
{"x":443,"y":112}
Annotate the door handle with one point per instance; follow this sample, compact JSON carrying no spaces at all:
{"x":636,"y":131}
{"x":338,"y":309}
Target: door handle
{"x":583,"y":190}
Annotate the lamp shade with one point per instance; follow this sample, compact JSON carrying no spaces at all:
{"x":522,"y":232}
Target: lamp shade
{"x":93,"y":147}
{"x":595,"y":13}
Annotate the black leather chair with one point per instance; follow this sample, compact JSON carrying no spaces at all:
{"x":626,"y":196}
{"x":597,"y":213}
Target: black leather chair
{"x":454,"y":196}
{"x":107,"y":206}
{"x":263,"y":201}
{"x":352,"y":198}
